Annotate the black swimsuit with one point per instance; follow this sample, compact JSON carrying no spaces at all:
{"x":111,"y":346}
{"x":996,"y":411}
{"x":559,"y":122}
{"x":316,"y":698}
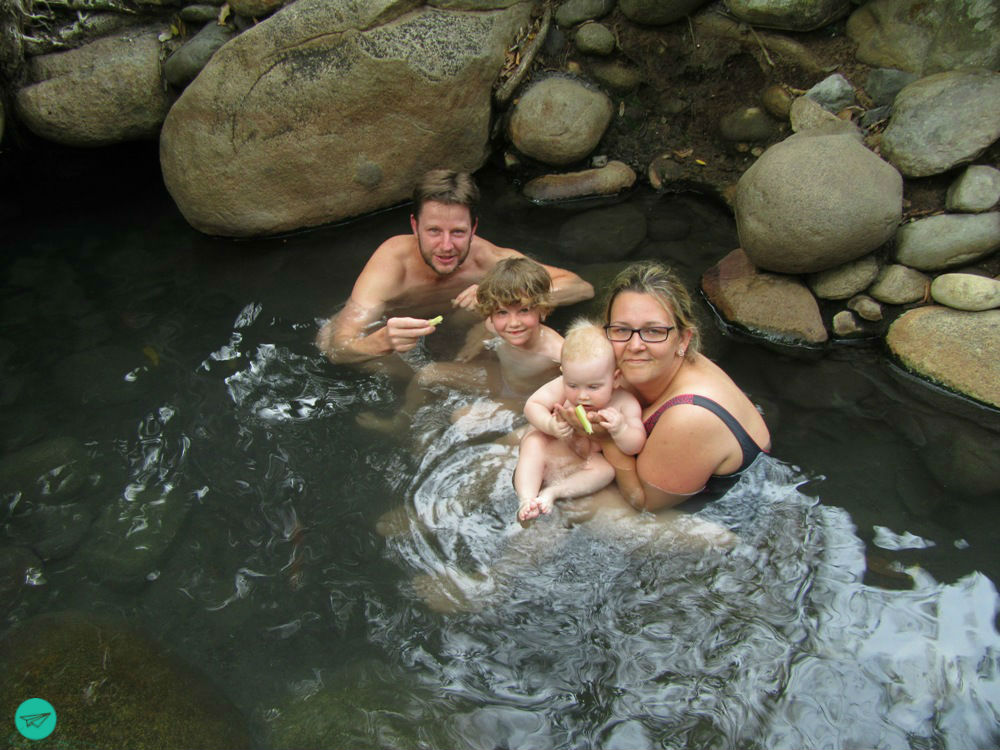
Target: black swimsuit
{"x":750,"y":449}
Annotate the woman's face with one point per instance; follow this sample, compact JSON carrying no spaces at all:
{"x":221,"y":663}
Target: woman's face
{"x":642,"y":361}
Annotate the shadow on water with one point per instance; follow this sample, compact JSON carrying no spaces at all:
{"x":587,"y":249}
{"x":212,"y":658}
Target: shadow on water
{"x":346,"y":588}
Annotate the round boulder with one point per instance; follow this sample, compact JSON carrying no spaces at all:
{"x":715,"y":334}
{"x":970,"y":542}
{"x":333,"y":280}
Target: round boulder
{"x":942,"y":121}
{"x":949,"y":347}
{"x":813,"y":202}
{"x":559,"y":120}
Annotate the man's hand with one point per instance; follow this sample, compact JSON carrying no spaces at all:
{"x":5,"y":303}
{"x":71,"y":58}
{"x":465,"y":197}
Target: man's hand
{"x":404,"y":334}
{"x":466,"y":299}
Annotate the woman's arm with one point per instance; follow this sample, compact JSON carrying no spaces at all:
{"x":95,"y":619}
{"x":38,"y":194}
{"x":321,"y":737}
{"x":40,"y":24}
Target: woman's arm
{"x":625,"y":474}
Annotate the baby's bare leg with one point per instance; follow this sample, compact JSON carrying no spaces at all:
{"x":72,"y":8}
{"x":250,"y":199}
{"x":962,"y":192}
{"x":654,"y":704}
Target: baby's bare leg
{"x":531,"y":460}
{"x":595,"y":474}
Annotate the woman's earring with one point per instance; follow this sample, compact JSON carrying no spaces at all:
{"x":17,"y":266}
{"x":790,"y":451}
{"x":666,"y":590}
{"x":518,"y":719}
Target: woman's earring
{"x":681,"y":352}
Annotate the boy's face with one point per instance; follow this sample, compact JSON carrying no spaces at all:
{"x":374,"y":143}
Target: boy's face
{"x":517,"y":324}
{"x":589,"y":382}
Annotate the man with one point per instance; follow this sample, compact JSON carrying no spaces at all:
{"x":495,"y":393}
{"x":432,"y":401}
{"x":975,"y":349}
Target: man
{"x":440,"y":264}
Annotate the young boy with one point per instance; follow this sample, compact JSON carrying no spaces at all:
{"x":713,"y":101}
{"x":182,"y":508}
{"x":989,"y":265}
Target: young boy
{"x":571,"y":464}
{"x":513,"y":298}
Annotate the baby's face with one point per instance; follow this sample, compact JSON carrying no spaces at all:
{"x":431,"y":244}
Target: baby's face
{"x":517,"y":324}
{"x":589,"y":382}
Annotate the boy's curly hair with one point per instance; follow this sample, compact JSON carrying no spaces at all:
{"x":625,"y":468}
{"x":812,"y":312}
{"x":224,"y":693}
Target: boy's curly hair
{"x":514,"y":281}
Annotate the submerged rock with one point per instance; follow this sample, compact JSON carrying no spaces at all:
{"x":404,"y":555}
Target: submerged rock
{"x":112,"y":687}
{"x":602,"y":234}
{"x":948,"y":347}
{"x":779,"y":307}
{"x":50,"y":472}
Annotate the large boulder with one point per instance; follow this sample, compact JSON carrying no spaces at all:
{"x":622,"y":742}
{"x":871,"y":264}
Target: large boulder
{"x":105,"y":92}
{"x":330,"y":109}
{"x":779,"y":307}
{"x":927,"y":37}
{"x":559,"y":120}
{"x":949,"y":347}
{"x":789,"y":15}
{"x":112,"y":687}
{"x":943,"y":120}
{"x":813,"y":202}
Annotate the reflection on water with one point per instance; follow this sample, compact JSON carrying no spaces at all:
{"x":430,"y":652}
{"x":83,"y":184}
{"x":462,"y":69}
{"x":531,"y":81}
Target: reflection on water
{"x":347,"y":588}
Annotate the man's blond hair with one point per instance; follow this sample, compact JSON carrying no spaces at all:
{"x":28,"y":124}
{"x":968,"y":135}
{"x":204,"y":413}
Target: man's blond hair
{"x":514,"y":281}
{"x":449,"y":187}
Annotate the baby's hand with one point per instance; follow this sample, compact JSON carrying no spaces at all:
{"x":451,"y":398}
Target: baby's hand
{"x":612,"y":420}
{"x":558,"y":427}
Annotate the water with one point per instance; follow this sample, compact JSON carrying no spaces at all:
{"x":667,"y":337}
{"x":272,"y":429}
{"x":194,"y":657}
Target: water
{"x":321,"y":573}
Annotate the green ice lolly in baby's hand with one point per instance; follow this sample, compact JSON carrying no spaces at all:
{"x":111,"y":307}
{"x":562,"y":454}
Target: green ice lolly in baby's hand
{"x":581,"y":414}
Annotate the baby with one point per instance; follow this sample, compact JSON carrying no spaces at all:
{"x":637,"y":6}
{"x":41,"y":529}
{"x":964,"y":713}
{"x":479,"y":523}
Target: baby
{"x":571,"y":464}
{"x":513,"y":299}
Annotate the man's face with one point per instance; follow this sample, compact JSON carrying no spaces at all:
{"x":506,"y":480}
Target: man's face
{"x":444,"y":235}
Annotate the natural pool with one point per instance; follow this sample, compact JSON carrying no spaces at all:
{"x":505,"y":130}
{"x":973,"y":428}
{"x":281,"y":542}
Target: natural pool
{"x":231,"y":508}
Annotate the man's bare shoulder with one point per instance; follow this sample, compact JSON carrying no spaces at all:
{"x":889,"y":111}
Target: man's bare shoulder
{"x":485,"y":254}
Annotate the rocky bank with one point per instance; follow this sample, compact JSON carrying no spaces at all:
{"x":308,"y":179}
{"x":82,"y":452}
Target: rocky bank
{"x":856,"y":143}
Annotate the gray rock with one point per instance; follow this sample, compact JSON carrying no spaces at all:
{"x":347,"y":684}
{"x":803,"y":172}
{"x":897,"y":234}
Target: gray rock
{"x":808,"y":114}
{"x":966,"y":291}
{"x":846,"y":325}
{"x":50,"y":472}
{"x":255,"y":8}
{"x":899,"y":285}
{"x":290,"y":123}
{"x":658,"y":12}
{"x":964,"y":457}
{"x":603,"y":234}
{"x":865,"y":307}
{"x":748,"y":125}
{"x":188,"y":60}
{"x":559,"y":120}
{"x":105,"y":92}
{"x":846,"y":280}
{"x":883,"y":84}
{"x":594,"y":39}
{"x":948,"y":347}
{"x":976,"y":190}
{"x":947,"y":241}
{"x":611,"y":179}
{"x":617,"y":76}
{"x":572,"y":12}
{"x":927,"y":37}
{"x":813,"y":202}
{"x":54,"y":531}
{"x":925,"y":137}
{"x":833,"y":93}
{"x":779,"y":307}
{"x":789,"y":15}
{"x":199,"y":13}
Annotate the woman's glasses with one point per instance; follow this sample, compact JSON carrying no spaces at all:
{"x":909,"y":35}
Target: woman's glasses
{"x":651,"y":334}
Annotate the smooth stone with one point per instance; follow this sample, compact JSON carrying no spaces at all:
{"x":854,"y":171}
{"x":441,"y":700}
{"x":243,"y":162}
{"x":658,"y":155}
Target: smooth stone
{"x":956,"y":349}
{"x":975,"y":191}
{"x":899,"y":285}
{"x":948,"y":240}
{"x":572,"y":12}
{"x":658,"y":12}
{"x":809,"y":115}
{"x":789,"y":15}
{"x":559,"y":120}
{"x":50,"y":472}
{"x":846,"y":280}
{"x":747,"y":125}
{"x":926,"y":137}
{"x":610,"y":179}
{"x":663,"y":170}
{"x":777,"y":307}
{"x":865,"y":307}
{"x":594,"y":39}
{"x":188,"y":60}
{"x":966,"y":291}
{"x":255,"y":8}
{"x":833,"y":93}
{"x":845,"y":324}
{"x":199,"y":13}
{"x":883,"y":84}
{"x":617,"y":76}
{"x":777,"y":100}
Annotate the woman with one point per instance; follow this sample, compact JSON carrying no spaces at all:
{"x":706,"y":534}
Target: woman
{"x":701,"y":428}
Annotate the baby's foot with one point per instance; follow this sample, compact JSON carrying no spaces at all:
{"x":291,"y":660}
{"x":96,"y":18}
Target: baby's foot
{"x":527,"y":510}
{"x":544,"y":502}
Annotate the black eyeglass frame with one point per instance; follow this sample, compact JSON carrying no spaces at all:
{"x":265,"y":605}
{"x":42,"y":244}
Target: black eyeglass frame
{"x":634,"y":331}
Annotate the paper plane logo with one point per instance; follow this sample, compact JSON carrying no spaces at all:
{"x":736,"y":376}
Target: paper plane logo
{"x":35,"y":718}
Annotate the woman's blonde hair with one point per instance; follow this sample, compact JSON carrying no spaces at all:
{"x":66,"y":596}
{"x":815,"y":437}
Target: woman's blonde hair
{"x":659,"y":282}
{"x":514,"y":281}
